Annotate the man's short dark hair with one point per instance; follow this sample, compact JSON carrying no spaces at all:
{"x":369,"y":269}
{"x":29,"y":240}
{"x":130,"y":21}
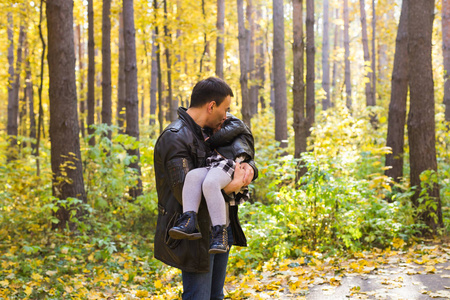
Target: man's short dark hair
{"x":210,"y":89}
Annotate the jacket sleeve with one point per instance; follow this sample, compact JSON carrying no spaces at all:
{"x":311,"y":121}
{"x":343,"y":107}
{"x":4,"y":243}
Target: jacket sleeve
{"x":231,"y":128}
{"x":177,"y":160}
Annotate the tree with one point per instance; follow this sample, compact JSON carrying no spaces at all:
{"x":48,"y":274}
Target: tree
{"x":243,"y":63}
{"x":446,"y":53}
{"x":29,"y":95}
{"x":13,"y":108}
{"x":106,"y":65}
{"x":220,"y":45}
{"x":253,"y":87}
{"x":310,"y":63}
{"x":91,"y":73}
{"x":348,"y":82}
{"x":370,"y":100}
{"x":158,"y":61}
{"x":17,"y":85}
{"x":421,"y":123}
{"x":81,"y":80}
{"x":172,"y":103}
{"x":279,"y":74}
{"x":121,"y":86}
{"x":132,"y":102}
{"x":300,"y":123}
{"x":325,"y":58}
{"x":260,"y":56}
{"x":64,"y":131}
{"x":397,"y":106}
{"x":154,"y":81}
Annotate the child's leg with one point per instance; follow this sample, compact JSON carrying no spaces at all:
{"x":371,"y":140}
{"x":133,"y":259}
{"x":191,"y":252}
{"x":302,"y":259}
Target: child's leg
{"x":216,"y":180}
{"x":192,"y":189}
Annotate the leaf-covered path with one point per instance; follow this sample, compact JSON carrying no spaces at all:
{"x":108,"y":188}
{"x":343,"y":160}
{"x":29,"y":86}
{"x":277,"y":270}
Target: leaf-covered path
{"x":421,"y":272}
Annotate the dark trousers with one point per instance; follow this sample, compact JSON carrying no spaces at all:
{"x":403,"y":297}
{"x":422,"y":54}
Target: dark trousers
{"x":208,"y":286}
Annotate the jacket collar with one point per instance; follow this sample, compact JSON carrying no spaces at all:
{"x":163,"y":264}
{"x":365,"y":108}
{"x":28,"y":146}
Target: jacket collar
{"x":186,"y":118}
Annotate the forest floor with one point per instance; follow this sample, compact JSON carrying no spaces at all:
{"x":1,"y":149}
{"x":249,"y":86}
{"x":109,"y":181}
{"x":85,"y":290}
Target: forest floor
{"x":420,"y":272}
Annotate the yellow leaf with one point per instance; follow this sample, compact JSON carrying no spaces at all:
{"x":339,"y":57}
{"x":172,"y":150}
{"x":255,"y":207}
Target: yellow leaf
{"x":4,"y":283}
{"x":398,"y":243}
{"x":142,"y":294}
{"x":158,"y":284}
{"x":36,"y":277}
{"x":28,"y":290}
{"x":430,"y":269}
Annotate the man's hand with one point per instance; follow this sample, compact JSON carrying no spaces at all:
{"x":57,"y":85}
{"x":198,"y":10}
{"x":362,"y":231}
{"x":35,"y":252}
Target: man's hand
{"x":249,"y":173}
{"x":243,"y":176}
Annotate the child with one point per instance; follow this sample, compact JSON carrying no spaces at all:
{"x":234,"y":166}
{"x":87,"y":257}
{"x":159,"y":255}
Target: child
{"x":233,"y":143}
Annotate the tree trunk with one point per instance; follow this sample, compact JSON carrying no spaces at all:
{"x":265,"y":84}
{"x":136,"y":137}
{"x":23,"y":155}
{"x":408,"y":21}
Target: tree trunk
{"x":370,"y":101}
{"x":41,"y":83}
{"x":121,"y":86}
{"x":154,"y":81}
{"x":106,"y":65}
{"x":336,"y":41}
{"x":310,"y":64}
{"x":446,"y":52}
{"x":13,"y":108}
{"x":173,"y":104}
{"x":243,"y":59}
{"x":132,"y":102}
{"x":253,"y":87}
{"x":279,"y":74}
{"x":260,"y":57}
{"x":421,"y":123}
{"x":81,"y":80}
{"x":158,"y":60}
{"x":325,"y":57}
{"x":17,"y":84}
{"x":91,"y":73}
{"x":397,"y":106}
{"x":348,"y":82}
{"x":300,"y":123}
{"x":374,"y":67}
{"x":220,"y":45}
{"x":29,"y":94}
{"x":64,"y":131}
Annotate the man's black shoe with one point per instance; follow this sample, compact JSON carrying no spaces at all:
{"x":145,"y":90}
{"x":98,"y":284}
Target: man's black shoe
{"x":219,"y":242}
{"x":186,"y":227}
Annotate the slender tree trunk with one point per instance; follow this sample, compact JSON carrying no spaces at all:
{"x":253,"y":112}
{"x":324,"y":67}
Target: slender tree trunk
{"x":325,"y":57}
{"x":446,"y":52}
{"x":30,"y":96}
{"x":106,"y":65}
{"x":374,"y":67}
{"x":336,"y":42}
{"x":154,"y":81}
{"x":64,"y":131}
{"x":91,"y":73}
{"x":348,"y":82}
{"x":121,"y":86}
{"x":279,"y":74}
{"x":220,"y":45}
{"x":81,"y":80}
{"x":158,"y":60}
{"x":17,"y":84}
{"x":12,"y":109}
{"x":300,"y":123}
{"x":243,"y":59}
{"x":260,"y":57}
{"x":421,"y":123}
{"x":253,"y":87}
{"x":173,"y":104}
{"x":310,"y":64}
{"x":370,"y":101}
{"x":397,"y":107}
{"x":41,"y":83}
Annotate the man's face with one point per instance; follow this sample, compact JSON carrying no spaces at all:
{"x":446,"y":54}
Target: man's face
{"x":218,"y":114}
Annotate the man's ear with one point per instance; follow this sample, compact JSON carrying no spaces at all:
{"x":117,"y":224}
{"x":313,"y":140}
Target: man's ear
{"x":210,"y":106}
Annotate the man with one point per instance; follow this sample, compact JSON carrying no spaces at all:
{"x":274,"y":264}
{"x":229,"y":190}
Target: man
{"x":180,"y":148}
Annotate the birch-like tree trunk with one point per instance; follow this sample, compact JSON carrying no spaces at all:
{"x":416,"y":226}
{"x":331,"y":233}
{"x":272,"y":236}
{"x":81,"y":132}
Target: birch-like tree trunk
{"x":64,"y":131}
{"x":421,"y":122}
{"x":446,"y":53}
{"x":106,"y":65}
{"x":91,"y":73}
{"x":243,"y":62}
{"x":220,"y":44}
{"x":348,"y":82}
{"x":397,"y":107}
{"x":310,"y":65}
{"x":132,"y":102}
{"x":326,"y":57}
{"x":337,"y":39}
{"x":279,"y":74}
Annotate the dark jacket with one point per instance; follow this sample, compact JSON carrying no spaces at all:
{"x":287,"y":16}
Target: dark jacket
{"x":179,"y":149}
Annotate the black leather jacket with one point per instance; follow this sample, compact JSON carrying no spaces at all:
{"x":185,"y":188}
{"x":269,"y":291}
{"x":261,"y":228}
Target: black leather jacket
{"x":179,"y":149}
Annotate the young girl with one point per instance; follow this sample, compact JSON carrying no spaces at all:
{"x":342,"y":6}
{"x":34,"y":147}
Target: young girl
{"x":232,"y":143}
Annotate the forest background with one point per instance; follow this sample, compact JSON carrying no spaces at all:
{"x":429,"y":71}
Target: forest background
{"x":322,"y":84}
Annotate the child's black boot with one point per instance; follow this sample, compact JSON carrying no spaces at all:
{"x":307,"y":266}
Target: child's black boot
{"x":219,"y":242}
{"x":186,"y":227}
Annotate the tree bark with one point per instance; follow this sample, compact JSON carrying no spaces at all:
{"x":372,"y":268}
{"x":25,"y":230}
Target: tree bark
{"x":121,"y":86}
{"x":260,"y":57}
{"x":300,"y":123}
{"x":374,"y":67}
{"x":132,"y":102}
{"x":370,"y":101}
{"x":446,"y":53}
{"x":173,"y":103}
{"x":279,"y":74}
{"x":91,"y":73}
{"x":158,"y":60}
{"x":397,"y":106}
{"x":29,"y":94}
{"x":421,"y":123}
{"x":17,"y":84}
{"x":64,"y":131}
{"x":13,"y":109}
{"x":106,"y":65}
{"x":253,"y":87}
{"x":81,"y":80}
{"x":325,"y":57}
{"x":154,"y":81}
{"x":336,"y":41}
{"x":310,"y":64}
{"x":220,"y":45}
{"x":243,"y":60}
{"x":348,"y":82}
